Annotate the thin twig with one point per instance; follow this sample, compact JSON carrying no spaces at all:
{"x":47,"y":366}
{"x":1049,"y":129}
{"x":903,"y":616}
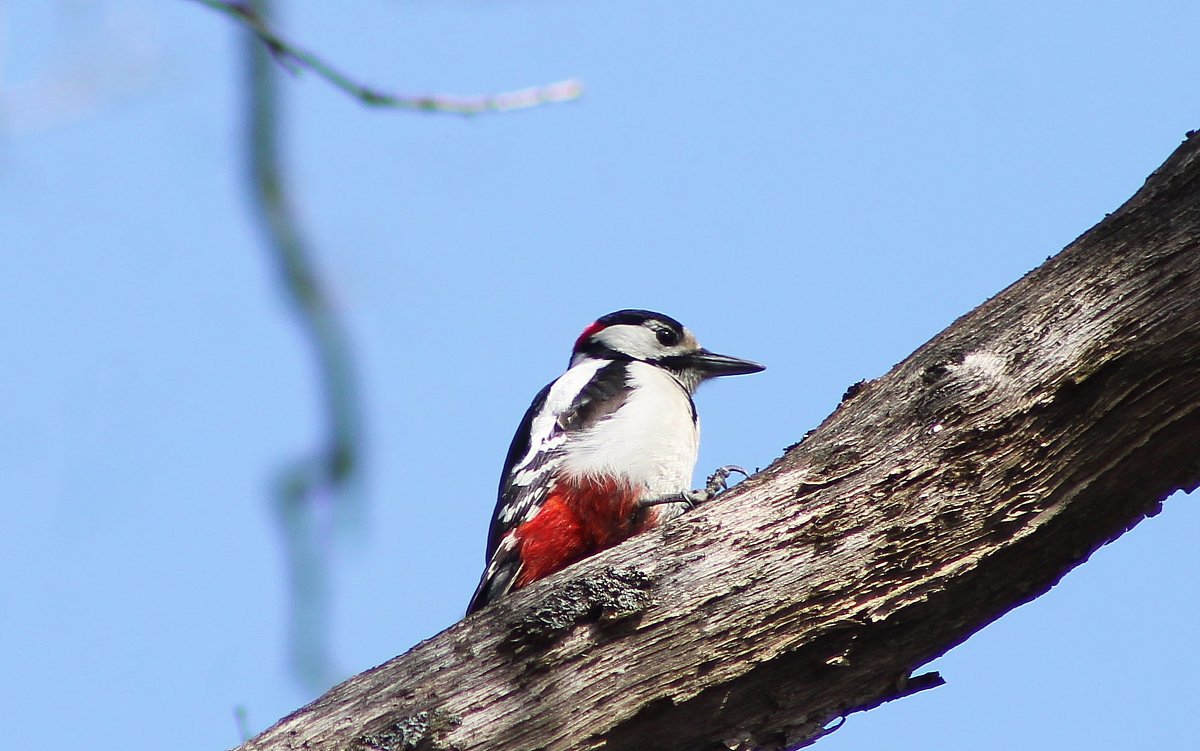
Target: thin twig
{"x":241,"y":717}
{"x":329,"y":474}
{"x":293,"y":57}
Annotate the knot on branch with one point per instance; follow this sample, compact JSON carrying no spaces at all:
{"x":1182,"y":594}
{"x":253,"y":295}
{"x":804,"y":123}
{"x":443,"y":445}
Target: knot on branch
{"x":961,"y":383}
{"x":605,"y":597}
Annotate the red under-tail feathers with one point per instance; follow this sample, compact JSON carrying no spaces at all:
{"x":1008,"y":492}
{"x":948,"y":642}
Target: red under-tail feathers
{"x":579,"y":518}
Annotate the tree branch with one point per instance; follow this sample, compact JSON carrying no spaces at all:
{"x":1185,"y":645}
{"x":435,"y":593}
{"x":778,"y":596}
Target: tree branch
{"x":966,"y":481}
{"x":331,"y":472}
{"x":329,"y":475}
{"x":293,"y":57}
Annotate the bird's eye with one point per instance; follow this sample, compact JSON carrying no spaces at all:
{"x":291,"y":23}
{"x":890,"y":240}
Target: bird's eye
{"x":667,"y":337}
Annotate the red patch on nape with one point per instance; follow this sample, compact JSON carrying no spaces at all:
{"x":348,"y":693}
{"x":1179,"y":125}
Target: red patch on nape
{"x":592,"y":329}
{"x":579,"y":518}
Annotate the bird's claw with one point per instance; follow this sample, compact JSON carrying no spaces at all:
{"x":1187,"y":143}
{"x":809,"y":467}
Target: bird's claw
{"x":717,"y":483}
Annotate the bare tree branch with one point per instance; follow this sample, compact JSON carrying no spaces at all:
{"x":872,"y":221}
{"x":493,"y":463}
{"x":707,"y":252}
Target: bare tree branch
{"x":325,"y":479}
{"x":292,"y":57}
{"x":329,"y":475}
{"x":965,"y":482}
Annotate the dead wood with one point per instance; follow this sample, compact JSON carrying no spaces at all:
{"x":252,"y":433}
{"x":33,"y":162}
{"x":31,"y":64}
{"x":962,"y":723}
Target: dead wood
{"x":966,"y":481}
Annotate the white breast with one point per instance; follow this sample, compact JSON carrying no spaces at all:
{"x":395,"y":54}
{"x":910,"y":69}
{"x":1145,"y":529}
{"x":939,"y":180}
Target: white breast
{"x":651,"y":441}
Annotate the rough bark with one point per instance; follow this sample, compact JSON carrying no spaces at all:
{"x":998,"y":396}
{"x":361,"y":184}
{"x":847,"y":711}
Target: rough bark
{"x":963,"y":483}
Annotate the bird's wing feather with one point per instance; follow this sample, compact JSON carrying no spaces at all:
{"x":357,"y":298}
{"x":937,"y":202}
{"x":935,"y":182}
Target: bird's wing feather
{"x":581,"y":397}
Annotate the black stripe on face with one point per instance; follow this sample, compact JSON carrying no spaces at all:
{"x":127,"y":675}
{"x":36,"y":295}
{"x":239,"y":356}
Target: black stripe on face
{"x":599,"y":350}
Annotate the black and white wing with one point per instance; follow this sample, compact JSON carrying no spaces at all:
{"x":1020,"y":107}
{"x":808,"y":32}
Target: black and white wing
{"x":582,"y":396}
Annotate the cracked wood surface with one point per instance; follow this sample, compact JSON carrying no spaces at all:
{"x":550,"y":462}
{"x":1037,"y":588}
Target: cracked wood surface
{"x":966,"y":481}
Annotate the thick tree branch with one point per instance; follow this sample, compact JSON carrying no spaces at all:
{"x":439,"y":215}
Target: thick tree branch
{"x":966,"y":481}
{"x":294,"y":57}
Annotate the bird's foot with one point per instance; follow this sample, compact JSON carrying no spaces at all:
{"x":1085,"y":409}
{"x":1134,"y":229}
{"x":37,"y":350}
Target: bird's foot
{"x":717,"y":483}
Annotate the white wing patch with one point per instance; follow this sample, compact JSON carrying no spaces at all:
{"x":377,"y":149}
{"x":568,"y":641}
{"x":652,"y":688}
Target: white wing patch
{"x":544,"y":433}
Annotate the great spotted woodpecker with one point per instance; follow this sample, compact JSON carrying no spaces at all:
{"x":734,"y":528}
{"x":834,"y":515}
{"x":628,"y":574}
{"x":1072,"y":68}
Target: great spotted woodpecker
{"x":604,"y":452}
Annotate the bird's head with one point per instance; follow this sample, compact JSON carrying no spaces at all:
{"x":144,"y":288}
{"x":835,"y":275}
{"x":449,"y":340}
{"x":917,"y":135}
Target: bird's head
{"x":658,"y":340}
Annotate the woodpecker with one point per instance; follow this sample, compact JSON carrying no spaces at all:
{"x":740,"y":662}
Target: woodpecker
{"x":605,"y":451}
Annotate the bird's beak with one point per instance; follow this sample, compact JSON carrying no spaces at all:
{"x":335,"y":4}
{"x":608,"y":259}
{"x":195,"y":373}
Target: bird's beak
{"x":711,"y":365}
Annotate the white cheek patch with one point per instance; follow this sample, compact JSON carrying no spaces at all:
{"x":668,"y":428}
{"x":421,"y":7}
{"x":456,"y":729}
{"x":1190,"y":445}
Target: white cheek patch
{"x":635,"y":341}
{"x":641,"y":343}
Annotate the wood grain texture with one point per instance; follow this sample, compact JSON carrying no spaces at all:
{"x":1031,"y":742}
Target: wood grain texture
{"x":965,"y":482}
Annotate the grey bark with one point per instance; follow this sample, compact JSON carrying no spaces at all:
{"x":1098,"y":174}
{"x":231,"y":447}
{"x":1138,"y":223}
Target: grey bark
{"x":966,"y":481}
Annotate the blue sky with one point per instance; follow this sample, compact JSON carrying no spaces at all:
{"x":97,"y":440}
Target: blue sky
{"x":819,"y":187}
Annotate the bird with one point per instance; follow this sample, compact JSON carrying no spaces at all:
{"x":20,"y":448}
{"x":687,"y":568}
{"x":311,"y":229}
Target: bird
{"x":605,"y":451}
